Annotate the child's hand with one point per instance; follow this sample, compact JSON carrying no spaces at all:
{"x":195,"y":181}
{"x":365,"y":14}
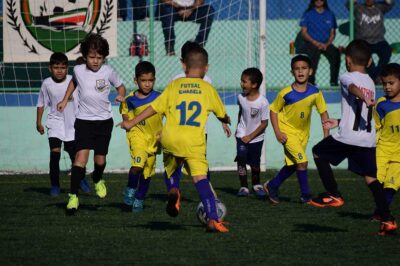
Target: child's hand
{"x":61,"y":106}
{"x":119,"y":98}
{"x":246,"y":139}
{"x":281,"y":137}
{"x":40,"y":128}
{"x":226,"y":129}
{"x":369,"y":101}
{"x":330,"y":123}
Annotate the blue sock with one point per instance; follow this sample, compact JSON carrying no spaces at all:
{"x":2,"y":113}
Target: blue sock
{"x":207,"y":198}
{"x":283,"y":174}
{"x":302,"y":177}
{"x":389,"y":194}
{"x":174,"y":179}
{"x":144,"y":185}
{"x":133,"y":179}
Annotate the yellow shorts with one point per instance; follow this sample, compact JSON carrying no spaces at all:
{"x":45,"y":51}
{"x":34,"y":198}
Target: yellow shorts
{"x":294,"y":149}
{"x":140,"y":158}
{"x":388,"y":172}
{"x":194,"y":166}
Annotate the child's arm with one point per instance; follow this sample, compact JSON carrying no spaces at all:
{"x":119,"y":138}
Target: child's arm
{"x":256,"y":132}
{"x":39,"y":115}
{"x":121,"y":94}
{"x":353,"y":89}
{"x":280,"y":136}
{"x":226,"y":129}
{"x":71,"y":88}
{"x":226,"y":119}
{"x":325,"y":117}
{"x":149,"y":111}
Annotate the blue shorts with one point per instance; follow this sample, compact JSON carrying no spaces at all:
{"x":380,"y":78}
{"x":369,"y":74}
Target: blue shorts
{"x":250,"y":152}
{"x":362,"y":160}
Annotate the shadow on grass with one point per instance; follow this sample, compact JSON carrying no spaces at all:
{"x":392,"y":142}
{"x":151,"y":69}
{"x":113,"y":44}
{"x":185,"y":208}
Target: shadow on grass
{"x":314,"y":228}
{"x":227,"y":190}
{"x":40,"y":190}
{"x":120,"y":205}
{"x":355,"y":215}
{"x":164,"y":226}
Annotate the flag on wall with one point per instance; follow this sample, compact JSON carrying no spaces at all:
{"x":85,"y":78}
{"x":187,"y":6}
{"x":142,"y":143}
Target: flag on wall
{"x":34,"y":29}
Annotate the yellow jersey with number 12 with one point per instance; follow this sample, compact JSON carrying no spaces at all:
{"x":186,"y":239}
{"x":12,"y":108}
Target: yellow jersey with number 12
{"x":186,"y":104}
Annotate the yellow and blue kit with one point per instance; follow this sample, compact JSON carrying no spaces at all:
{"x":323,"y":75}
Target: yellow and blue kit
{"x":294,"y":113}
{"x":387,"y":123}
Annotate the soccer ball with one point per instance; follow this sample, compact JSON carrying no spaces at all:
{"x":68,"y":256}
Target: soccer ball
{"x":202,"y":216}
{"x":184,"y":3}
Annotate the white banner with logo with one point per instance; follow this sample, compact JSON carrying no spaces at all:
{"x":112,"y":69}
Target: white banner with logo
{"x":34,"y":29}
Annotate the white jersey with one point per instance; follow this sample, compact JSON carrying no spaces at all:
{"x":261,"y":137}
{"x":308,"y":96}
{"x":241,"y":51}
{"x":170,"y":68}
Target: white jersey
{"x":251,"y":113}
{"x":356,"y":125}
{"x":94,"y":89}
{"x":205,"y":78}
{"x":59,"y":124}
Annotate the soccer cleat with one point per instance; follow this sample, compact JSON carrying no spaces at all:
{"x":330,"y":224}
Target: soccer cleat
{"x":101,"y":189}
{"x":243,"y":192}
{"x":216,"y":226}
{"x":129,"y":196}
{"x":55,"y":191}
{"x":326,"y":199}
{"x":272,"y":193}
{"x":73,"y":203}
{"x":305,"y":198}
{"x":259,"y":190}
{"x":85,"y":187}
{"x":137,"y":205}
{"x":387,"y":227}
{"x":173,"y":204}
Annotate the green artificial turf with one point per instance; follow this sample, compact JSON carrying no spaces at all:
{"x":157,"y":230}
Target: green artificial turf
{"x":36,"y":231}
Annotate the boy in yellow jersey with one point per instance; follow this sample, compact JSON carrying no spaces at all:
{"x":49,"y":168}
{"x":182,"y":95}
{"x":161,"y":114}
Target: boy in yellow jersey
{"x":290,"y":117}
{"x":387,"y":123}
{"x":186,"y":103}
{"x":142,"y":140}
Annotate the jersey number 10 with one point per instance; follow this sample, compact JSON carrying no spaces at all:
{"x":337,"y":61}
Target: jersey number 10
{"x":196,"y":107}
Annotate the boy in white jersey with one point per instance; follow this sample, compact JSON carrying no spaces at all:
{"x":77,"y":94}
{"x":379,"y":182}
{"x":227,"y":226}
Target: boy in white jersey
{"x":186,"y":103}
{"x":291,"y":119}
{"x":142,"y":140}
{"x":252,"y":122}
{"x":355,"y":138}
{"x":387,"y":123}
{"x":60,"y":126}
{"x":94,"y":123}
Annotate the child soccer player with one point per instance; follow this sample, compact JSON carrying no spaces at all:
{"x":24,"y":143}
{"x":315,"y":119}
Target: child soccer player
{"x":60,"y":126}
{"x":387,"y":123}
{"x":291,"y":117}
{"x":94,"y":123}
{"x":186,"y":103}
{"x":252,"y":122}
{"x":142,"y":140}
{"x":355,"y":138}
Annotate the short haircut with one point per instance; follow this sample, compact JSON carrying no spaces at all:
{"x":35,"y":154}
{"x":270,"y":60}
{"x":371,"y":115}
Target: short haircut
{"x":95,"y":42}
{"x":254,"y":75}
{"x":188,"y":46}
{"x":144,"y":67}
{"x":58,"y":58}
{"x":300,"y":57}
{"x":392,"y":69}
{"x":196,"y":57}
{"x":359,"y":52}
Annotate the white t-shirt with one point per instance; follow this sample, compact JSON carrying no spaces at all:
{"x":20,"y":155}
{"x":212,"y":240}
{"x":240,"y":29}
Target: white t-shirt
{"x":93,"y":89}
{"x":59,"y":124}
{"x":356,"y":125}
{"x":251,"y":115}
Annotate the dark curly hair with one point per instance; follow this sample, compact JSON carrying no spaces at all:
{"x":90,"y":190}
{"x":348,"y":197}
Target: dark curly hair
{"x":95,"y":42}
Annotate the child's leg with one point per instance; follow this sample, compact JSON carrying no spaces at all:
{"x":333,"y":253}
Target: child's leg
{"x":241,"y":159}
{"x":282,"y":175}
{"x":78,"y":170}
{"x":206,"y":196}
{"x":389,"y":194}
{"x":69,"y":147}
{"x":99,"y":166}
{"x":133,"y":178}
{"x":326,"y":174}
{"x":143,"y":187}
{"x":302,"y":177}
{"x":174,"y":180}
{"x":54,"y":164}
{"x":379,"y":197}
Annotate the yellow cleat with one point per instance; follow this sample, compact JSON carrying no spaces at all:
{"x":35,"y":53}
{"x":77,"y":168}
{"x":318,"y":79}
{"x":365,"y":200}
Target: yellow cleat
{"x":73,"y":203}
{"x":101,"y":189}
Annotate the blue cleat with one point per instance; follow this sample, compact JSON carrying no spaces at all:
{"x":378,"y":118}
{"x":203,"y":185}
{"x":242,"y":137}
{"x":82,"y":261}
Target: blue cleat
{"x":137,"y":205}
{"x":272,"y":193}
{"x":55,"y":191}
{"x":129,"y":196}
{"x":259,"y":190}
{"x":85,"y":186}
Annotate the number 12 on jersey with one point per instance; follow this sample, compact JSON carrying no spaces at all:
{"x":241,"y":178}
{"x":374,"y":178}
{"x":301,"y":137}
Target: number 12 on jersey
{"x":183,"y":107}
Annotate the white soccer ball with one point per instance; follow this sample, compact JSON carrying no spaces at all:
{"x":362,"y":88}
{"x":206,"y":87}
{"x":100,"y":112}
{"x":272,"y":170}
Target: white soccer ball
{"x":184,"y":3}
{"x":202,"y":216}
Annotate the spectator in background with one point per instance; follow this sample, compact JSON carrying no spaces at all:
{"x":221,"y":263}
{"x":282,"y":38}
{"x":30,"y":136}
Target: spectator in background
{"x":369,"y":26}
{"x":139,"y":9}
{"x":170,"y":11}
{"x":318,"y":29}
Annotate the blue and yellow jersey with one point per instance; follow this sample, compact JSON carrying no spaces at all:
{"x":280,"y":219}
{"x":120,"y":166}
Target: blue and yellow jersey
{"x":148,"y":129}
{"x":387,"y":123}
{"x":294,"y":109}
{"x":186,"y":104}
